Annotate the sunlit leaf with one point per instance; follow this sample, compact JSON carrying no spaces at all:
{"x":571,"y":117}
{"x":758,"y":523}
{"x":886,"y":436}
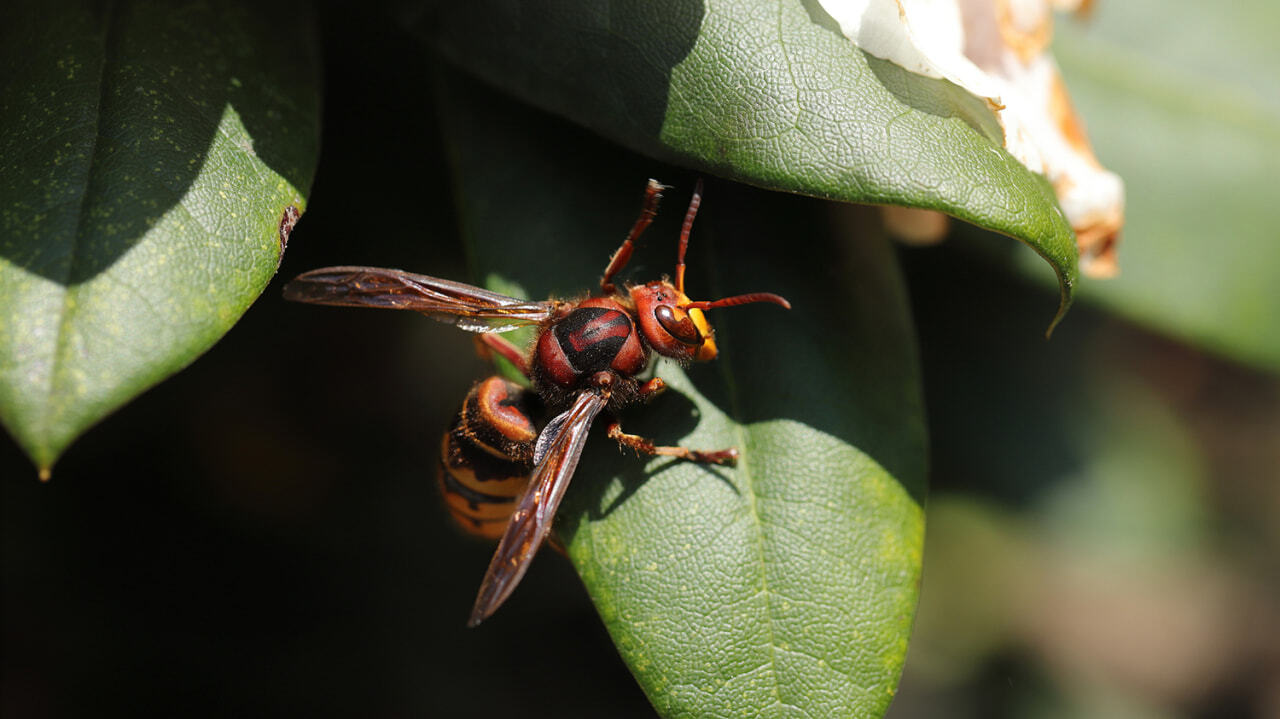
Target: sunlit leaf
{"x":769,"y":93}
{"x":153,"y":157}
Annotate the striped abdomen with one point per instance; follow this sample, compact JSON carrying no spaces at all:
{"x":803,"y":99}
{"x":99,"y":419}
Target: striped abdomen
{"x":486,"y":456}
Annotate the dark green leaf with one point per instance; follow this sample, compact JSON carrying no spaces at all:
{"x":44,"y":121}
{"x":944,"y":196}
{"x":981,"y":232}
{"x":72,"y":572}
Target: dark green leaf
{"x":149,"y":153}
{"x":783,"y":586}
{"x":765,"y":92}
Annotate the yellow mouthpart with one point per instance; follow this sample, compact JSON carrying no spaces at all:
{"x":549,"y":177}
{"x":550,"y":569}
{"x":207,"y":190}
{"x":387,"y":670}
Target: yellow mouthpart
{"x":708,"y":349}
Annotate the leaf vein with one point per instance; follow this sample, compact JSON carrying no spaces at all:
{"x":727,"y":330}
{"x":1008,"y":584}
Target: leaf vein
{"x":75,"y":254}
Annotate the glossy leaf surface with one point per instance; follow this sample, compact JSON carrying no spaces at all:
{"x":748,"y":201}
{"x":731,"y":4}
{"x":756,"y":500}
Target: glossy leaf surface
{"x":784,"y":586}
{"x":769,"y":93}
{"x":149,"y":157}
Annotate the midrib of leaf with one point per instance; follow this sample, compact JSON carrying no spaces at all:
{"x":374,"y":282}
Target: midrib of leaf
{"x":743,"y":469}
{"x":791,"y":73}
{"x":69,"y":294}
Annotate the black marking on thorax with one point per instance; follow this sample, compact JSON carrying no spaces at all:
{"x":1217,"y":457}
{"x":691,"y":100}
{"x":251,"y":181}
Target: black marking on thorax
{"x":592,"y":336}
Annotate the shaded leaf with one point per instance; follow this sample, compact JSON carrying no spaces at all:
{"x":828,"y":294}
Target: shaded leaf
{"x":151,"y":154}
{"x":785,"y":585}
{"x":769,"y":93}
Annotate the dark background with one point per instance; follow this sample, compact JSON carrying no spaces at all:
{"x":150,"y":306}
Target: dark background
{"x":261,"y":534}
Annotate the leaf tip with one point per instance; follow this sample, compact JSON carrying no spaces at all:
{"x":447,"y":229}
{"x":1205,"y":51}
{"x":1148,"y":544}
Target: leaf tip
{"x":45,"y":474}
{"x":1064,"y":304}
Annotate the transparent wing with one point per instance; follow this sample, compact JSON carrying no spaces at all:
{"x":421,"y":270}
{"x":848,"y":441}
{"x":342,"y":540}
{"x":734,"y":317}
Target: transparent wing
{"x":470,"y":308}
{"x":532,"y":518}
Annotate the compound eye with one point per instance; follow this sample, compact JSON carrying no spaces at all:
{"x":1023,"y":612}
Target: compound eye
{"x":682,"y":329}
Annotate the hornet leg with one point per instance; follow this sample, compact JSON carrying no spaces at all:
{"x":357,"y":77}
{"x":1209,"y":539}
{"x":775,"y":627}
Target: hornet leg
{"x":645,"y":446}
{"x":489,"y":342}
{"x":652,"y":194}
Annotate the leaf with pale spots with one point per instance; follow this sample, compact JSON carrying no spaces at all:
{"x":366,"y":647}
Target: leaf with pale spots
{"x":153,"y":158}
{"x":784,"y":586}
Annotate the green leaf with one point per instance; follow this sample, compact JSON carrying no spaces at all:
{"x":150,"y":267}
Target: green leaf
{"x":783,"y":586}
{"x":762,"y":91}
{"x":1187,"y":111}
{"x":149,"y":155}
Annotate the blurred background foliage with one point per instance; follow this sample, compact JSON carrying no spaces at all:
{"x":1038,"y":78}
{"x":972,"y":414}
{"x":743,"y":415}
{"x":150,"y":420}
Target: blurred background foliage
{"x":1102,"y":537}
{"x":1102,"y":533}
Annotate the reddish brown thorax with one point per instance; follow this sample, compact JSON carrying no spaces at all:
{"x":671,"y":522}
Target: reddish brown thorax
{"x":597,"y":335}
